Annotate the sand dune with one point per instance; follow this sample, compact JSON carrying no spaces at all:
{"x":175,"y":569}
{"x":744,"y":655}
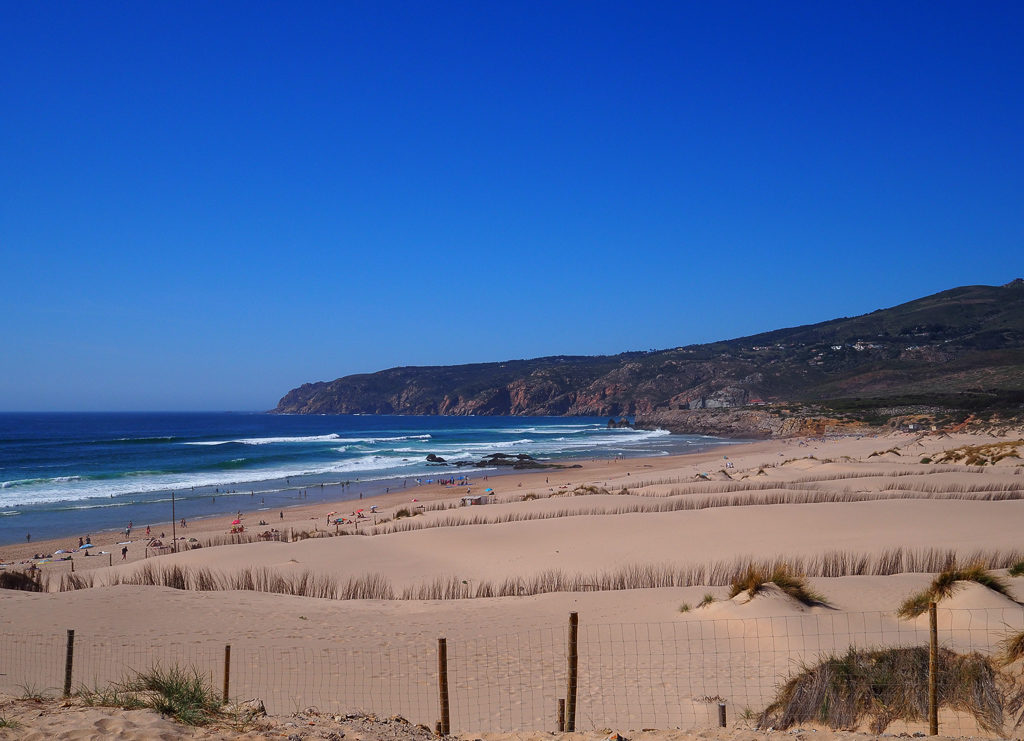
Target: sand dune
{"x":644,"y":662}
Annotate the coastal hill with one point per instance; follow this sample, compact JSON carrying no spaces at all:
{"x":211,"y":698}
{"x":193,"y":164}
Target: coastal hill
{"x":959,"y":352}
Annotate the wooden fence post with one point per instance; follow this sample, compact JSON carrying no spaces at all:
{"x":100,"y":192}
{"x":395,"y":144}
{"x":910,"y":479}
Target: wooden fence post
{"x":561,"y":715}
{"x":227,"y":671}
{"x":442,"y":685}
{"x":572,"y":657}
{"x":933,"y":671}
{"x":69,"y":662}
{"x":721,"y":715}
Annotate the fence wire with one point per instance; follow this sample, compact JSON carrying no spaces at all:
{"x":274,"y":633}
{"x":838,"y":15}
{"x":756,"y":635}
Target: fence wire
{"x":631,"y":675}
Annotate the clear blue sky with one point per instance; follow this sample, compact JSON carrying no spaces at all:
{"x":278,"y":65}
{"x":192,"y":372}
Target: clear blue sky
{"x":204,"y":204}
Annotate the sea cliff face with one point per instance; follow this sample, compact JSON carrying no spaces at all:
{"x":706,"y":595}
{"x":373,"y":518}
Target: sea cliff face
{"x":748,"y":423}
{"x":959,"y":349}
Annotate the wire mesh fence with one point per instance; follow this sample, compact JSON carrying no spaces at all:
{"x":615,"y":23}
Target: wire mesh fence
{"x":631,"y":675}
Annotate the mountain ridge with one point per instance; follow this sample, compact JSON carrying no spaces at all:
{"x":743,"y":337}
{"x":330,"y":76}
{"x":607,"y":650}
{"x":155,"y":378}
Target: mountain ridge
{"x":961,"y":341}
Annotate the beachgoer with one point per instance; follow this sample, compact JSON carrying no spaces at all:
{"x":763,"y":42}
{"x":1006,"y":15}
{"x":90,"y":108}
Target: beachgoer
{"x":81,"y":541}
{"x":28,"y":537}
{"x":147,"y":530}
{"x":282,"y":514}
{"x":124,"y":553}
{"x":88,"y":540}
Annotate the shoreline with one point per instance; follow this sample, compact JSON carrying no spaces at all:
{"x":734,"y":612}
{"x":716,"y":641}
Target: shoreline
{"x":646,"y":552}
{"x":309,"y":513}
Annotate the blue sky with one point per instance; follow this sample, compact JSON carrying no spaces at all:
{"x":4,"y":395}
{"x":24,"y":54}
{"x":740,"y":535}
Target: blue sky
{"x":206,"y":204}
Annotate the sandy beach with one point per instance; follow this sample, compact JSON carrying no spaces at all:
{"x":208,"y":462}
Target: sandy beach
{"x":633,"y":546}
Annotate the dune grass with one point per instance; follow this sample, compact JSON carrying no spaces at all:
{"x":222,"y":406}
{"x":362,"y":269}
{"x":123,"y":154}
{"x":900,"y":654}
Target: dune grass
{"x":756,"y":578}
{"x":184,"y":694}
{"x":946,"y":583}
{"x":1017,"y":569}
{"x":23,"y":581}
{"x":677,"y":501}
{"x":884,"y":685}
{"x":300,"y":584}
{"x":1012,"y":648}
{"x":629,"y":576}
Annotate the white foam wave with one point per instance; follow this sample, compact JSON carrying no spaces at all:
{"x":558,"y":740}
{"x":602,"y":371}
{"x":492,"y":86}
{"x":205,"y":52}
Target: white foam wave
{"x":270,"y":440}
{"x":81,"y":490}
{"x":400,"y":438}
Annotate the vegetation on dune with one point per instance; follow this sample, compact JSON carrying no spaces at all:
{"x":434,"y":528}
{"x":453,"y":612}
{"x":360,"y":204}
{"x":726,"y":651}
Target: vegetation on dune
{"x":982,"y":455}
{"x":1017,"y":569}
{"x":788,"y":574}
{"x":756,"y":577}
{"x":183,"y":694}
{"x":22,"y":580}
{"x":884,"y":685}
{"x":946,"y":583}
{"x":1012,"y":648}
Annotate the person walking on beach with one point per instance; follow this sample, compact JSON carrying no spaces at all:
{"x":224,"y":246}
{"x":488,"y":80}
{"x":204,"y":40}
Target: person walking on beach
{"x":28,"y":536}
{"x":124,"y":553}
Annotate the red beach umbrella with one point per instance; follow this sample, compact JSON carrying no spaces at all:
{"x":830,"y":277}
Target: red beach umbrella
{"x":236,"y":522}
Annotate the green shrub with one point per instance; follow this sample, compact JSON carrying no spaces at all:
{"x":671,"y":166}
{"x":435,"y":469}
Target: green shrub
{"x":183,"y":694}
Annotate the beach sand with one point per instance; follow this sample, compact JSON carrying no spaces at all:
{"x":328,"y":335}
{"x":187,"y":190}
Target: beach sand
{"x":644,"y":663}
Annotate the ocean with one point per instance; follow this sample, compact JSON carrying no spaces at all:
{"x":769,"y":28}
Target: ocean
{"x":87,"y":472}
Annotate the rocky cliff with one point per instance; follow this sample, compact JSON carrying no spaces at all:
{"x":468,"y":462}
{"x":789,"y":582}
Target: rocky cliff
{"x":965,"y":343}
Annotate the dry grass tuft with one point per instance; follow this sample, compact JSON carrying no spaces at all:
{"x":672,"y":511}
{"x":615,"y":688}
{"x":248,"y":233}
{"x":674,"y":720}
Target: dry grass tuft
{"x":946,"y":583}
{"x":1012,"y":648}
{"x":982,"y":455}
{"x":885,"y":685}
{"x":301,"y":584}
{"x":756,"y":578}
{"x":22,"y":581}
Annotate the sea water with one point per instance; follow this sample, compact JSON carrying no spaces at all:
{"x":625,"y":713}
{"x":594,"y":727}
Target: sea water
{"x":86,"y":472}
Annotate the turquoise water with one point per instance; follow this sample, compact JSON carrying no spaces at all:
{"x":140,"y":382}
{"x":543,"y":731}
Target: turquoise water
{"x":62,"y":473}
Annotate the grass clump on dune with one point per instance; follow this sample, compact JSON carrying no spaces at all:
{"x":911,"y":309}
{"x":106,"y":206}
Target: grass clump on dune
{"x":756,"y":578}
{"x":183,"y":694}
{"x":1017,"y":569}
{"x":1012,"y":648}
{"x":945,"y":584}
{"x":884,"y":685}
{"x":22,"y":580}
